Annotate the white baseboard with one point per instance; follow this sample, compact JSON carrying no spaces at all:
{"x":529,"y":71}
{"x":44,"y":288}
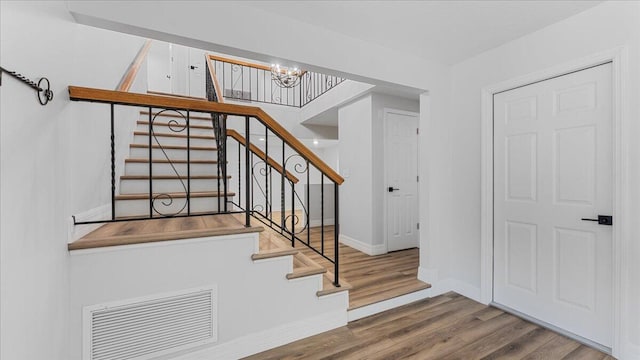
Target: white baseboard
{"x":317,"y":222}
{"x":368,"y":249}
{"x":465,"y":289}
{"x":75,"y":232}
{"x":381,"y":306}
{"x":268,"y":339}
{"x":439,"y":287}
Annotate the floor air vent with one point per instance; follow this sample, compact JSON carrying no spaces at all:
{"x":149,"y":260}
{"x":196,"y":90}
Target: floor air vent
{"x":144,"y":328}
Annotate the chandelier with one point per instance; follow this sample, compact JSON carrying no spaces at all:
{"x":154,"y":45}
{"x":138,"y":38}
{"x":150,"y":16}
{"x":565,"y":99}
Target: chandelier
{"x":284,"y":77}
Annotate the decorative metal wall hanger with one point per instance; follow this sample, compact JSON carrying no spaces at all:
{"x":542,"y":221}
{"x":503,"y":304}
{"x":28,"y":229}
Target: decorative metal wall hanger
{"x":42,"y":87}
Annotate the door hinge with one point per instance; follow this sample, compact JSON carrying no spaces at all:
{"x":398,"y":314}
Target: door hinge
{"x":417,"y":131}
{"x":418,"y":226}
{"x":418,"y":178}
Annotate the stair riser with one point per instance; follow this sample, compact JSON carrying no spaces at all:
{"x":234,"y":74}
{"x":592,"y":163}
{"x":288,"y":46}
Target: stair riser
{"x":141,"y":207}
{"x":166,"y":169}
{"x":166,"y":130}
{"x":166,"y":140}
{"x":180,"y":120}
{"x":167,"y":186}
{"x":173,"y":154}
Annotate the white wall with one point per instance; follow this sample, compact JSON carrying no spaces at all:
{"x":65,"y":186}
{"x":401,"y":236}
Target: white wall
{"x":354,"y":149}
{"x":50,"y":165}
{"x":247,"y":320}
{"x":604,"y":27}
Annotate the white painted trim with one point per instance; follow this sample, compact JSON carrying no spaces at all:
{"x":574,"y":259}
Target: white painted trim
{"x":75,"y":232}
{"x":368,"y":249}
{"x":268,"y":339}
{"x":385,"y":305}
{"x":386,"y":112}
{"x":621,"y":239}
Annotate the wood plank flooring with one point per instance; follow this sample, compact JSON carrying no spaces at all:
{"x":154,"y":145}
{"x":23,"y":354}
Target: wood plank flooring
{"x":144,"y":231}
{"x":448,"y":326}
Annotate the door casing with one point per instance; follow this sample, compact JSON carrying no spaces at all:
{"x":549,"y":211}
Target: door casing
{"x":621,"y":199}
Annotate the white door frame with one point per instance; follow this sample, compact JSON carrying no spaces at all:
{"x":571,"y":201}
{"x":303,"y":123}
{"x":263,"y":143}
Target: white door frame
{"x":621,"y":200}
{"x":386,"y":112}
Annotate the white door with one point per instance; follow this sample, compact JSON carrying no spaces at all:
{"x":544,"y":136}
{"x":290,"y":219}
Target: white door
{"x":402,"y":179}
{"x":552,"y":168}
{"x":196,"y":73}
{"x":179,"y":69}
{"x":159,"y":67}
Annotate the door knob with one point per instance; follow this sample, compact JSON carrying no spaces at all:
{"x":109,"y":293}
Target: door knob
{"x":602,"y":220}
{"x":391,"y":189}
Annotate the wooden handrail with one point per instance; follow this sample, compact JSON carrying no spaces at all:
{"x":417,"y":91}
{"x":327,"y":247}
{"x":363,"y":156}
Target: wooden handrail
{"x":246,"y":63}
{"x":77,"y":93}
{"x":214,"y":78}
{"x":239,"y":62}
{"x":134,"y":67}
{"x":254,"y":149}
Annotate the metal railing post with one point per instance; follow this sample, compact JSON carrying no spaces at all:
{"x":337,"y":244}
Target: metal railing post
{"x":247,"y":144}
{"x":336,"y":234}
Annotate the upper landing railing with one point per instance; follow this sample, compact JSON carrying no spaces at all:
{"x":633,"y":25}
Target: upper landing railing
{"x":246,"y":81}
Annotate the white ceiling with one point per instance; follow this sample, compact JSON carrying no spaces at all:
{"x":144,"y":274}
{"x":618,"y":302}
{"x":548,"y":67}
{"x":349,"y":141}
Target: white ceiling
{"x":446,"y":31}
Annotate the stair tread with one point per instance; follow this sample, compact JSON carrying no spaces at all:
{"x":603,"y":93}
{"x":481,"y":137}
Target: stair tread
{"x":194,"y":194}
{"x":175,"y":147}
{"x":172,"y":114}
{"x":165,"y":161}
{"x":146,"y":133}
{"x":272,"y":253}
{"x":328,"y":287}
{"x":171,"y":177}
{"x":157,"y":123}
{"x":166,"y":229}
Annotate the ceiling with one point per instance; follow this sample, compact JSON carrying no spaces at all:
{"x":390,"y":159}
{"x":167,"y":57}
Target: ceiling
{"x":445,"y":31}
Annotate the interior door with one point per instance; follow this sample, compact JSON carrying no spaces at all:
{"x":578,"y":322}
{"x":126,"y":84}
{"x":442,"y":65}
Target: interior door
{"x":552,"y":169}
{"x":159,"y":67}
{"x":402,"y":180}
{"x":196,"y":73}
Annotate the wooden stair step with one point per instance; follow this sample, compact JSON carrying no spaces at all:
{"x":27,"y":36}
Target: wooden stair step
{"x":166,"y":229}
{"x":184,"y":136}
{"x":193,"y":126}
{"x":165,"y":161}
{"x":273,"y":253}
{"x":175,"y":147}
{"x":198,"y":194}
{"x":328,"y":287}
{"x":303,"y":266}
{"x":172,"y":114}
{"x":172,"y":177}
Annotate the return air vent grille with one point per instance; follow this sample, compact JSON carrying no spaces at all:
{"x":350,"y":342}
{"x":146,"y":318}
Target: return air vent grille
{"x":145,"y":328}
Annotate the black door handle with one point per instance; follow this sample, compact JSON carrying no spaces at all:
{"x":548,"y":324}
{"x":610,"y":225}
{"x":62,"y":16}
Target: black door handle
{"x":391,"y":189}
{"x":193,"y":67}
{"x":602,"y":220}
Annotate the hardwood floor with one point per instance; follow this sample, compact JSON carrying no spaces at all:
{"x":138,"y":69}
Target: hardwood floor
{"x":448,"y":326}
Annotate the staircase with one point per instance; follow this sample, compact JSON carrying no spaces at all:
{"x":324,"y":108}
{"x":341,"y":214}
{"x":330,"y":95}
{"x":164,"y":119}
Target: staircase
{"x":175,"y":171}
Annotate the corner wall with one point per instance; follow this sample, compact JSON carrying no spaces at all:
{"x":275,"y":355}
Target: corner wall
{"x":50,"y":165}
{"x":604,"y":27}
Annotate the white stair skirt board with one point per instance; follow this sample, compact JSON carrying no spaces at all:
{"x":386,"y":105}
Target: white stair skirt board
{"x":141,"y":186}
{"x":368,"y":249}
{"x":140,"y":207}
{"x":163,"y":168}
{"x":173,"y":154}
{"x":265,"y":340}
{"x":385,"y":305}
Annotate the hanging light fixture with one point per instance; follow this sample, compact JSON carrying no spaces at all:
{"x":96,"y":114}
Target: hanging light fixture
{"x":284,"y":77}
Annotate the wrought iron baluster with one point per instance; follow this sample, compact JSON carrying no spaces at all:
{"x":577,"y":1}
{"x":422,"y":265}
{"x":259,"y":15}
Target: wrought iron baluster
{"x":283,"y":225}
{"x":308,"y":205}
{"x":113,"y":167}
{"x":322,"y":213}
{"x":336,"y":234}
{"x":247,"y":178}
{"x":188,"y":166}
{"x":293,"y":214}
{"x":150,"y":163}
